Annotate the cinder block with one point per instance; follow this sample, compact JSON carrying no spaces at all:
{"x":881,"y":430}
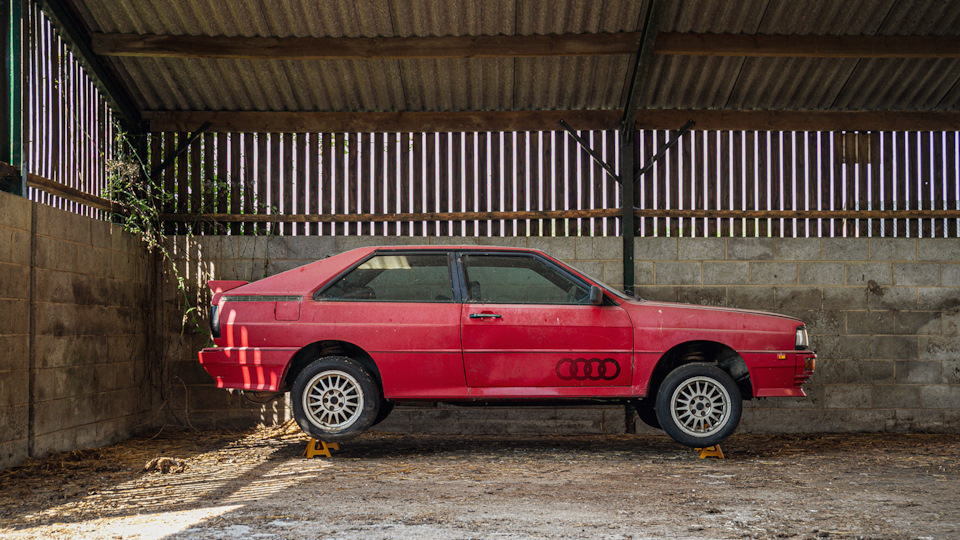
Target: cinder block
{"x":869,"y":371}
{"x":938,"y":249}
{"x":14,"y":281}
{"x":907,"y":274}
{"x":656,"y":249}
{"x":821,"y":321}
{"x":6,"y":235}
{"x":870,"y":322}
{"x":56,"y":254}
{"x":919,"y":372}
{"x":821,"y":273}
{"x":277,"y":266}
{"x":678,"y":273}
{"x":310,"y":248}
{"x":15,"y":317}
{"x":845,"y":298}
{"x":869,"y":273}
{"x":798,"y":298}
{"x":599,"y":248}
{"x":726,"y":273}
{"x":702,"y":249}
{"x":844,"y":249}
{"x":749,"y":249}
{"x":951,"y":372}
{"x":435,"y":421}
{"x":761,"y":298}
{"x":896,"y":347}
{"x":12,"y":453}
{"x":938,"y":298}
{"x":896,"y":396}
{"x":703,"y":296}
{"x":945,"y":347}
{"x":773,"y":273}
{"x":796,"y":249}
{"x":657,"y":294}
{"x":770,"y":420}
{"x":922,"y":421}
{"x":917,"y":322}
{"x":504,"y":241}
{"x":853,"y":347}
{"x":15,"y":211}
{"x":218,"y":247}
{"x":16,"y":350}
{"x":14,"y":389}
{"x":564,"y":249}
{"x":950,"y":274}
{"x":891,"y":298}
{"x":20,"y":247}
{"x":939,"y":396}
{"x":893,"y":249}
{"x":848,"y":396}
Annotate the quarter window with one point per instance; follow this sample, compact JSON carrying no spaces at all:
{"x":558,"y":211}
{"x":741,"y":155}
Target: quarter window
{"x":506,"y":279}
{"x":395,"y":278}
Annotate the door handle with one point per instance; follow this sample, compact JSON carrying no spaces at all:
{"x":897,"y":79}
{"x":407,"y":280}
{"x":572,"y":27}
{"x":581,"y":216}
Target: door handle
{"x":485,"y":316}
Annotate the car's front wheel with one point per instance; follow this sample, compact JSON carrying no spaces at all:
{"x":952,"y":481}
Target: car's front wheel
{"x":335,"y":399}
{"x":699,"y":405}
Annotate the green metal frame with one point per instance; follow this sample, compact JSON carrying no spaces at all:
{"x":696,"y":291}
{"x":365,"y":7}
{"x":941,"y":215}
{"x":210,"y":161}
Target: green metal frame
{"x":12,"y":146}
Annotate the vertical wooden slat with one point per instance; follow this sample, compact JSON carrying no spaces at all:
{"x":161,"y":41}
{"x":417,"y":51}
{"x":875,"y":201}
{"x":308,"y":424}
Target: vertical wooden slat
{"x":301,"y":178}
{"x":482,"y":182}
{"x":406,"y":181}
{"x":953,"y":181}
{"x":416,"y":184}
{"x":874,"y":187}
{"x":456,"y":185}
{"x":711,"y":177}
{"x":326,"y":181}
{"x":355,"y":172}
{"x":736,"y":180}
{"x":263,"y":199}
{"x":525,"y":145}
{"x":337,"y":159}
{"x":924,"y":183}
{"x":183,"y":187}
{"x":430,"y":191}
{"x":249,"y":175}
{"x":210,"y":191}
{"x":757,"y":197}
{"x":508,"y":182}
{"x":470,"y":185}
{"x":391,"y":181}
{"x":559,"y":181}
{"x":444,"y":179}
{"x":899,"y":177}
{"x":236,"y":180}
{"x":273,"y":179}
{"x":311,"y":178}
{"x":495,"y":228}
{"x":378,"y":190}
{"x":937,"y":188}
{"x":687,"y":188}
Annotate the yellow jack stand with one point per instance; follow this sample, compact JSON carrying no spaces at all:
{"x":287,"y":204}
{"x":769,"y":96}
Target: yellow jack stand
{"x":313,"y":451}
{"x":711,"y":451}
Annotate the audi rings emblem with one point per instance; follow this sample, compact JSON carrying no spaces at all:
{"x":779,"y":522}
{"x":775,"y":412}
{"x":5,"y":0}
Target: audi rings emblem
{"x":582,"y":369}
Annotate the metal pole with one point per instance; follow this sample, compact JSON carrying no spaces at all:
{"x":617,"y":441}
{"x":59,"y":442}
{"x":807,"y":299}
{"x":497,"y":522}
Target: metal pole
{"x":13,"y":102}
{"x":628,"y":143}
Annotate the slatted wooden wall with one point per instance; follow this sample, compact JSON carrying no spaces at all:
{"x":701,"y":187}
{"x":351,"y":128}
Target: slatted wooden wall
{"x":69,"y":127}
{"x":416,"y":173}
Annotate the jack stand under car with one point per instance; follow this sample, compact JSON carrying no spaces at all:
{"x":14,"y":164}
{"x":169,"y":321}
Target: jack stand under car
{"x":324,"y":450}
{"x":710,"y":451}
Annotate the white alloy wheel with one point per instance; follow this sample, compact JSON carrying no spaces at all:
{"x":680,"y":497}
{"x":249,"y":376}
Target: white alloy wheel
{"x":700,"y":406}
{"x":333,"y":400}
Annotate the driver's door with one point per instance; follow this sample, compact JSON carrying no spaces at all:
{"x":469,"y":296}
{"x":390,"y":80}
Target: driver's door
{"x":529,"y":323}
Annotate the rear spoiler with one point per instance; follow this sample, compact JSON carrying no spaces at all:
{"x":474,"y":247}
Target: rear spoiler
{"x":220,"y":286}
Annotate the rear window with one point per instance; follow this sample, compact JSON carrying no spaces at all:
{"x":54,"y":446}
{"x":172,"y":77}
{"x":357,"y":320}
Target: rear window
{"x":395,"y":278}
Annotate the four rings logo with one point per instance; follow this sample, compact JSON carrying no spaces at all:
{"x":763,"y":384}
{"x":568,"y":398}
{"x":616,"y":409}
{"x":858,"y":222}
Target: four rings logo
{"x":582,"y":369}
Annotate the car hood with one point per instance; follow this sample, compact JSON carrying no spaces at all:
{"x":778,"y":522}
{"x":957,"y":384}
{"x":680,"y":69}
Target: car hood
{"x":676,"y":305}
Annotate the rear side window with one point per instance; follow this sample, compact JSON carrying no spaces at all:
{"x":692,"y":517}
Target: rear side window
{"x":395,"y":278}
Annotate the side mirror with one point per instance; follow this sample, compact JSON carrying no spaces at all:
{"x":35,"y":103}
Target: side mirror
{"x":596,"y":295}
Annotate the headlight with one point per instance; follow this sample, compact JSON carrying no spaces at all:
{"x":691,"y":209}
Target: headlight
{"x":803,"y":339}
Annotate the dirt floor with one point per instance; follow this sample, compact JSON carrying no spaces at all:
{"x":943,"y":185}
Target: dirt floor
{"x":256,"y":485}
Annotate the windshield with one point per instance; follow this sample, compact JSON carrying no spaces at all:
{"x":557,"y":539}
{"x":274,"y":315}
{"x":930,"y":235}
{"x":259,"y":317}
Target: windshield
{"x":616,"y":292}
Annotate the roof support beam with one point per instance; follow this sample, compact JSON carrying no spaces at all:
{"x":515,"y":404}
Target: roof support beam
{"x":808,"y":46}
{"x":11,"y":112}
{"x":457,"y":121}
{"x":668,"y":43}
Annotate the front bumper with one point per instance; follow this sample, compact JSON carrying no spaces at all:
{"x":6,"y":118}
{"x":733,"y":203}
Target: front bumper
{"x":780,"y":374}
{"x":247,"y":368}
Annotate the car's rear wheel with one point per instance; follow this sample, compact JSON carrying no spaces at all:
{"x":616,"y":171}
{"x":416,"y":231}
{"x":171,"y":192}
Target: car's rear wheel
{"x":699,"y":405}
{"x":335,"y":399}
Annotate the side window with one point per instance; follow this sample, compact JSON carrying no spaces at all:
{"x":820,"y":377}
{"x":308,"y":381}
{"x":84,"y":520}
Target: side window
{"x":510,"y":279}
{"x":395,"y":278}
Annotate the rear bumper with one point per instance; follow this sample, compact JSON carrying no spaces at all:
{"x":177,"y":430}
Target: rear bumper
{"x":247,"y":368}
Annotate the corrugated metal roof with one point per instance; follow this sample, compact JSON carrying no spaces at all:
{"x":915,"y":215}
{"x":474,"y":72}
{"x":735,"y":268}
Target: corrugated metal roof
{"x":595,"y":82}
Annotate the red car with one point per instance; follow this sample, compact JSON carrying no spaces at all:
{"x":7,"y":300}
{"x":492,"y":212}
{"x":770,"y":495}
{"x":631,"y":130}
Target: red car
{"x":352,"y":334}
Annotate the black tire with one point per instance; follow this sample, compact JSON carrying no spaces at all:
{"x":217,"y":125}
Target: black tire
{"x":386,"y":407}
{"x":699,"y":405}
{"x":335,"y":399}
{"x":647,"y":413}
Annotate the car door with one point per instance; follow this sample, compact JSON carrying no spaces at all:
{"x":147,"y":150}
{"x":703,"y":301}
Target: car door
{"x":527,"y":322}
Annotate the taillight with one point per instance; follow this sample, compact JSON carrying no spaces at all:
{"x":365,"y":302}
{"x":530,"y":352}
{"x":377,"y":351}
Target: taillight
{"x":215,"y":320}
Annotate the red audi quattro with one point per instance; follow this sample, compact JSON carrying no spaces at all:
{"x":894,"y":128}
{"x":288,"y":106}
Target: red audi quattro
{"x":353,"y":334}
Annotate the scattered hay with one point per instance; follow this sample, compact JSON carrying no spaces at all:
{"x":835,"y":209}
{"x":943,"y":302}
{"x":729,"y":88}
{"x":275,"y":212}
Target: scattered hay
{"x":165,"y":465}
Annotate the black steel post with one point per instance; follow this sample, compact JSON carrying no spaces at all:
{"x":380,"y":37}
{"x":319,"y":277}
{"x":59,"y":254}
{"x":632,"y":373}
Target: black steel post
{"x":628,"y":143}
{"x":12,"y":143}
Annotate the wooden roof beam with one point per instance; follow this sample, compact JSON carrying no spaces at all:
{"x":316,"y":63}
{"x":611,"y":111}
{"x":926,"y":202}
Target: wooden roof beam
{"x":429,"y":121}
{"x":691,"y":44}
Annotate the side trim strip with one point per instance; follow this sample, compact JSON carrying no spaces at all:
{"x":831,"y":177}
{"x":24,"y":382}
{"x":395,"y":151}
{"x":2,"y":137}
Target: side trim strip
{"x":261,"y":298}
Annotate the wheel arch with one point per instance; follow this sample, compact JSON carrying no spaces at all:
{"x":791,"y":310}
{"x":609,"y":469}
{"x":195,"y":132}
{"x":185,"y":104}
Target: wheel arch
{"x":318,"y":349}
{"x":705,"y":351}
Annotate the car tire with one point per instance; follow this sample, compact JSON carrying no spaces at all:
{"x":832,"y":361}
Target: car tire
{"x":335,"y":399}
{"x":647,"y":413}
{"x":386,"y":407}
{"x":699,"y":405}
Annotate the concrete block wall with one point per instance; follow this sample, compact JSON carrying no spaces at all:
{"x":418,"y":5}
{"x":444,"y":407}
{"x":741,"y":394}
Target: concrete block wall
{"x":74,"y":299}
{"x":883,"y":314}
